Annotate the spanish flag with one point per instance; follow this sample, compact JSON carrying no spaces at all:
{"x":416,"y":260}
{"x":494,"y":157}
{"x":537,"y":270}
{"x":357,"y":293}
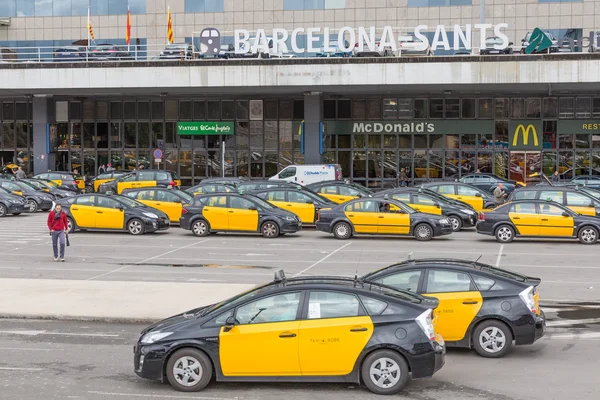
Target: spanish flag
{"x":128,"y":30}
{"x":90,"y":29}
{"x":169,"y":27}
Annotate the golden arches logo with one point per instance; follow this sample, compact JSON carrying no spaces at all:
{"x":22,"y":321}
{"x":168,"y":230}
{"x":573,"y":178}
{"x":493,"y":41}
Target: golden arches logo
{"x":522,"y":129}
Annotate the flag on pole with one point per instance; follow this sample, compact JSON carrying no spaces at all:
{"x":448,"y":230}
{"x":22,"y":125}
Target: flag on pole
{"x":128,"y":31}
{"x":169,"y":26}
{"x":90,"y":29}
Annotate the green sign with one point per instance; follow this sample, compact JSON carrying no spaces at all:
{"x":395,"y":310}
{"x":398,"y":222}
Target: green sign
{"x":205,"y":128}
{"x":538,"y":42}
{"x":578,"y":127}
{"x":450,"y":127}
{"x":525,"y":135}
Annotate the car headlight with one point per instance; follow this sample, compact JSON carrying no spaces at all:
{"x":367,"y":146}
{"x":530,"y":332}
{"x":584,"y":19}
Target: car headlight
{"x":444,"y":222}
{"x":154,"y":337}
{"x":16,"y":201}
{"x":469,"y":212}
{"x":291,"y":219}
{"x":150,"y":215}
{"x":46,"y":198}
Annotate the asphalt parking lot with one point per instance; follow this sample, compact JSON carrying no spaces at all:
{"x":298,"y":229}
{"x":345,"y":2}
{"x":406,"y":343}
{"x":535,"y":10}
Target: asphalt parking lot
{"x":93,"y":360}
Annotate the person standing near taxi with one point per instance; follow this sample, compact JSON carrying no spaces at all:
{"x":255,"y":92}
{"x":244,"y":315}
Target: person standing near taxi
{"x":20,"y":174}
{"x":59,"y":226}
{"x":499,"y":194}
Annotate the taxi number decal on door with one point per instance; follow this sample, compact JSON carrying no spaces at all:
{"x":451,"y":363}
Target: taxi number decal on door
{"x":460,"y":309}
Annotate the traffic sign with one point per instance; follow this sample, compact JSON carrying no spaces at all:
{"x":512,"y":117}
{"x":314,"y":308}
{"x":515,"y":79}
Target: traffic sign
{"x":158,"y":153}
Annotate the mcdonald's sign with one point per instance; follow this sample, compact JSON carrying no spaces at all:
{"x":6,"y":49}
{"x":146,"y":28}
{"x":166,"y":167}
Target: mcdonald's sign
{"x":525,"y":135}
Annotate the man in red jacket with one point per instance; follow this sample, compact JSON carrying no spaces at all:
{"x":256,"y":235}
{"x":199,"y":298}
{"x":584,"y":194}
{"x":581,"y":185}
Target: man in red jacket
{"x":59,"y":226}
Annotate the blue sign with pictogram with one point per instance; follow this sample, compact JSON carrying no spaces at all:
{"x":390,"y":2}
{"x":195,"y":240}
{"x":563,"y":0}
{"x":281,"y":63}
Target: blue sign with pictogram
{"x":158,"y":153}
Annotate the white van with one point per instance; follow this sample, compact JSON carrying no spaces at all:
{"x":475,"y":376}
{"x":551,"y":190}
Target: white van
{"x":307,"y":174}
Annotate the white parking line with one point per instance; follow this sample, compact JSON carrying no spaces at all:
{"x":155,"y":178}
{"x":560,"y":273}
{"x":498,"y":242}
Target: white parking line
{"x":567,"y":336}
{"x":47,"y":333}
{"x":20,"y":369}
{"x":322,"y":259}
{"x":159,"y":396}
{"x":23,"y":349}
{"x":568,"y":322}
{"x":499,"y":255}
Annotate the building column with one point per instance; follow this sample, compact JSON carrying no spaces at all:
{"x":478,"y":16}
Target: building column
{"x":313,"y":116}
{"x":42,"y":161}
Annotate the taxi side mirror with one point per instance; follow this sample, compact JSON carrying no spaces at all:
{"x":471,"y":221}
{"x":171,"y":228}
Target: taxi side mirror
{"x":565,"y":214}
{"x":121,"y":209}
{"x":436,"y":204}
{"x":252,"y":208}
{"x":229,"y":324}
{"x":478,"y":195}
{"x":309,"y":202}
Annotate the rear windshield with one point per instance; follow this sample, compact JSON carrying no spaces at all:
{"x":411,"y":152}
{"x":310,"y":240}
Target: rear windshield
{"x":503,"y":273}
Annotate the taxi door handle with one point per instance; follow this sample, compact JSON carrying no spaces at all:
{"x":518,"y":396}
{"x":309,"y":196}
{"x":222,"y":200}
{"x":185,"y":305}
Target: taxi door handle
{"x":516,"y":217}
{"x":381,"y":216}
{"x":290,"y":205}
{"x":75,"y":209}
{"x":470,"y":302}
{"x":351,"y":215}
{"x":358,"y":330}
{"x":544,"y":219}
{"x":99,"y":212}
{"x":231,"y":211}
{"x":287,"y":335}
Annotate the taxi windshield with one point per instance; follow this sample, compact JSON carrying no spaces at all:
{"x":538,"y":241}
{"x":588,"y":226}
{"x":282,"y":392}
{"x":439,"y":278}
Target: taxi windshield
{"x":186,"y":196}
{"x":129,"y":202}
{"x":316,"y":196}
{"x":26,"y":187}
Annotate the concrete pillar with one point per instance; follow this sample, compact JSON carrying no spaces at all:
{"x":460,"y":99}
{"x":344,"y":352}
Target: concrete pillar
{"x":42,"y":110}
{"x":313,"y":116}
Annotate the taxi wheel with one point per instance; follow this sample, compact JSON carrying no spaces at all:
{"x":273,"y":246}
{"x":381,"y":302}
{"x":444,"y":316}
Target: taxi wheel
{"x":456,"y":223}
{"x":385,"y":372}
{"x":3,"y":210}
{"x":70,"y":225}
{"x":492,"y":339}
{"x":200,"y":228}
{"x":135,"y":227}
{"x":189,"y":370}
{"x":505,"y":234}
{"x":423,"y":232}
{"x":270,"y":229}
{"x":33,"y":206}
{"x":588,"y":235}
{"x":342,"y":231}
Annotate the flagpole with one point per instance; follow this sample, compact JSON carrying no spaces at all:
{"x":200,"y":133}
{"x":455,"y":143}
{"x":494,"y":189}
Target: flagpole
{"x":128,"y":31}
{"x":88,"y":28}
{"x":168,"y":20}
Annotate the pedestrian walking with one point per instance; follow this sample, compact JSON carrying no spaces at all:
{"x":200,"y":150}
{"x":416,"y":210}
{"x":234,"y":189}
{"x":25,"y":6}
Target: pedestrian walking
{"x":59,"y":227}
{"x":101,"y":170}
{"x":555,"y":177}
{"x":20,"y":174}
{"x":109,"y":167}
{"x":499,"y":194}
{"x":402,"y":178}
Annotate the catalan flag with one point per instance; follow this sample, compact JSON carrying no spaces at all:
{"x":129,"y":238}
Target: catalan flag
{"x":90,"y":29}
{"x":128,"y":29}
{"x":169,"y":26}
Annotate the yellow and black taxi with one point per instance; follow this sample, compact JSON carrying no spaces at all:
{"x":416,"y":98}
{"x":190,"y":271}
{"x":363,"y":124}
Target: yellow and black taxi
{"x":537,"y":218}
{"x":339,"y":191}
{"x":460,"y":216}
{"x":140,"y":179}
{"x":306,"y":204}
{"x":210,"y":187}
{"x":376,"y":216}
{"x":169,"y":201}
{"x":93,"y":184}
{"x":577,"y":200}
{"x":112,"y":212}
{"x":49,"y":187}
{"x":233,"y":212}
{"x":68,"y":180}
{"x":36,"y":199}
{"x":12,"y":203}
{"x":475,"y":197}
{"x":315,"y":329}
{"x":480,"y":306}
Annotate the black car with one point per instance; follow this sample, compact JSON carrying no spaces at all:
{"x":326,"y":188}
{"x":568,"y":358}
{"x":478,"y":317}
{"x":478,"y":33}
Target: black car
{"x":112,"y":212}
{"x":579,"y":201}
{"x":49,"y":187}
{"x":259,"y":185}
{"x":590,"y":181}
{"x":232,"y":212}
{"x":460,"y":216}
{"x":489,"y":182}
{"x":37,"y":199}
{"x":93,"y":184}
{"x":225,"y":180}
{"x":489,"y":47}
{"x":477,"y":198}
{"x":12,"y":203}
{"x":305,"y":203}
{"x":376,"y":216}
{"x":110,"y":52}
{"x":339,"y":191}
{"x":480,"y":306}
{"x":305,"y":329}
{"x":210,"y":187}
{"x":66,"y":180}
{"x":70,"y":54}
{"x":179,"y":51}
{"x":141,"y":178}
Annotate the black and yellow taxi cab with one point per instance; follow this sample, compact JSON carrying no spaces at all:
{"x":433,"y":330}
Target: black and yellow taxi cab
{"x":68,"y":180}
{"x":339,"y":191}
{"x":93,"y":184}
{"x":169,"y":201}
{"x":49,"y":187}
{"x":254,"y":185}
{"x":12,"y":203}
{"x":577,"y":200}
{"x":375,"y":216}
{"x":303,"y":202}
{"x":460,"y":216}
{"x":475,"y":197}
{"x":36,"y":199}
{"x":112,"y":212}
{"x":140,"y":179}
{"x":537,"y":218}
{"x":206,"y":188}
{"x":234,"y":212}
{"x":480,"y":306}
{"x":304,"y":329}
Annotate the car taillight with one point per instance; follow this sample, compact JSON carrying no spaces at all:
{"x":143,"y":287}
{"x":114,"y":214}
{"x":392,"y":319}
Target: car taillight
{"x":184,"y":211}
{"x":171,"y":183}
{"x":426,"y":324}
{"x":527,"y":296}
{"x":481,"y":216}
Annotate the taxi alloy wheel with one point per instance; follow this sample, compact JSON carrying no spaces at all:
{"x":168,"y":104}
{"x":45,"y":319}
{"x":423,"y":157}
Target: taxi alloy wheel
{"x":3,"y":210}
{"x":423,"y":232}
{"x":342,"y":231}
{"x":455,"y":222}
{"x":189,"y":370}
{"x":135,"y":227}
{"x":70,"y":225}
{"x":33,"y":206}
{"x":385,"y":372}
{"x":200,"y":228}
{"x":505,"y":234}
{"x":492,"y":339}
{"x":270,"y":229}
{"x":588,"y":235}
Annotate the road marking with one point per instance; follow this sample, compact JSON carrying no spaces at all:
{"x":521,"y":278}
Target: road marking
{"x":24,"y":349}
{"x":36,"y":333}
{"x":159,"y":396}
{"x":589,"y":335}
{"x":23,"y":333}
{"x":147,"y":259}
{"x":322,"y":259}
{"x":499,"y":255}
{"x":20,"y":369}
{"x":567,"y":322}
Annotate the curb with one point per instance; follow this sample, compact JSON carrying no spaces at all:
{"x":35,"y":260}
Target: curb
{"x":112,"y":320}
